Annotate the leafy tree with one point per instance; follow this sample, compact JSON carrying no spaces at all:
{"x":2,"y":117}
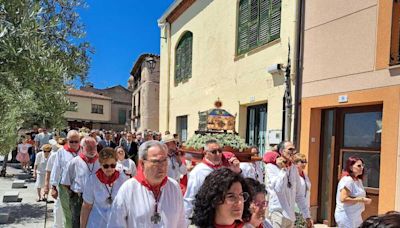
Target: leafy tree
{"x":41,"y":51}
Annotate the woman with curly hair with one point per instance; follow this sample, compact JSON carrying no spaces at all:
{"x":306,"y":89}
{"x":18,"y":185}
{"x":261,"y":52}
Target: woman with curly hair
{"x":223,"y":201}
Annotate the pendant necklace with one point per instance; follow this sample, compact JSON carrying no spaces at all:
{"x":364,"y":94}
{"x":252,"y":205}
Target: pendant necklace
{"x":109,"y":199}
{"x":156,"y":217}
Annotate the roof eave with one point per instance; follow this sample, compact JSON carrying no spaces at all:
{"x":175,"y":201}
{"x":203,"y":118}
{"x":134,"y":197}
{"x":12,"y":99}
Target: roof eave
{"x":171,"y":8}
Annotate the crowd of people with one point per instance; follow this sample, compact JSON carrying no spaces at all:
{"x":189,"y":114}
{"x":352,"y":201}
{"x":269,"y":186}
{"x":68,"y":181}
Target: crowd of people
{"x":108,"y":179}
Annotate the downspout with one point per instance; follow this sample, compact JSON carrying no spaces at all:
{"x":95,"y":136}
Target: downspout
{"x":299,"y":72}
{"x":168,"y":28}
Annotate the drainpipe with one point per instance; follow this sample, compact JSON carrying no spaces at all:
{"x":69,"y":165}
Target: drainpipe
{"x":168,"y":28}
{"x":299,"y":72}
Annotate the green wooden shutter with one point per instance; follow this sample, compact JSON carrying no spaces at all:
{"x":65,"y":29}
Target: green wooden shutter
{"x":253,"y":24}
{"x":244,"y":14}
{"x":264,"y":24}
{"x":275,"y":19}
{"x":183,"y":58}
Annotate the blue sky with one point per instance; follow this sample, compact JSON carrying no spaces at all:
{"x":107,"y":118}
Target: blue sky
{"x":120,"y":31}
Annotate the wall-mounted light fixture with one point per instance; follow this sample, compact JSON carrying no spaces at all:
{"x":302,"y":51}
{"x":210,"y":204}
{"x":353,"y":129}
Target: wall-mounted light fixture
{"x":150,"y":63}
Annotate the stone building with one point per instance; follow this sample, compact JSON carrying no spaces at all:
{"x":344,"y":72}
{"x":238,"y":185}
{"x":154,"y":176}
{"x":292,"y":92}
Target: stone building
{"x":144,"y":83}
{"x":120,"y":106}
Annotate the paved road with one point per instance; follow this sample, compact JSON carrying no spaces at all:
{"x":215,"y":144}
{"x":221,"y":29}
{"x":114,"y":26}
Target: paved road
{"x":27,"y":213}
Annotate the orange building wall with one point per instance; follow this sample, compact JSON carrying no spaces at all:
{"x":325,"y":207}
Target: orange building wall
{"x":311,"y":127}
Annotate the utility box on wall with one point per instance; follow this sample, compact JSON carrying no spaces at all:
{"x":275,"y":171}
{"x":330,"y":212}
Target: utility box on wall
{"x":274,"y":136}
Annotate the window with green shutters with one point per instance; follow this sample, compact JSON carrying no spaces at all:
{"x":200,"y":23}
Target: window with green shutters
{"x":259,"y":23}
{"x":183,"y":58}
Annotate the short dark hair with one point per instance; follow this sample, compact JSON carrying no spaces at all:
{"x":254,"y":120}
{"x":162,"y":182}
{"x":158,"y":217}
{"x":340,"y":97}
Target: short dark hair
{"x":212,"y":194}
{"x":107,"y":153}
{"x":281,"y":146}
{"x":256,"y":186}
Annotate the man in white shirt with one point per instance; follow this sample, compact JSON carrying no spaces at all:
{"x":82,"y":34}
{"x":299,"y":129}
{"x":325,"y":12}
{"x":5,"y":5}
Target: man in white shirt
{"x":150,"y":199}
{"x":175,"y":166}
{"x":283,"y":186}
{"x":63,"y":156}
{"x":78,"y":172}
{"x":211,"y":161}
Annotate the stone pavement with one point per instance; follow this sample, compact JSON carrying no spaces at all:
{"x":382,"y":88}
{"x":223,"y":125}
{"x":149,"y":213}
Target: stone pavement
{"x":28,"y":213}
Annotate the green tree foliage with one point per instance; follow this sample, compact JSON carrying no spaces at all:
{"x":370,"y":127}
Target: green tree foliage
{"x":41,"y":50}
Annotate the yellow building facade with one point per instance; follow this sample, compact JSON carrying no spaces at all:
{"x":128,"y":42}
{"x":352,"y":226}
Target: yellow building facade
{"x":87,"y":109}
{"x":220,"y":68}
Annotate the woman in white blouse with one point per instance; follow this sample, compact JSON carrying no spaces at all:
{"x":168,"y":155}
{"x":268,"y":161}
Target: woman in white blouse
{"x":125,"y":165}
{"x":300,"y":161}
{"x":100,"y":191}
{"x":350,"y":196}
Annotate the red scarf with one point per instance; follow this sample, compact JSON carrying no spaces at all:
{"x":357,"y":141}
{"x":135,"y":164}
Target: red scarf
{"x":211,"y":165}
{"x":236,"y":224}
{"x":87,"y":159}
{"x":142,"y":180}
{"x":69,"y":149}
{"x":105,"y":179}
{"x":302,"y":174}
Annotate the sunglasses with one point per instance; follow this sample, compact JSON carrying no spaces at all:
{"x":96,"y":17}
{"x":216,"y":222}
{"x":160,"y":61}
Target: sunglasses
{"x":303,"y":161}
{"x":73,"y":141}
{"x":106,"y":166}
{"x":46,"y":151}
{"x":360,"y":166}
{"x":215,"y":151}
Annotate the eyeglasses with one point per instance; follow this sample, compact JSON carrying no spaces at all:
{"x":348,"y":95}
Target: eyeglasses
{"x":232,"y":198}
{"x":73,"y":141}
{"x":261,"y":203}
{"x":106,"y":166}
{"x":215,"y":151}
{"x":360,"y":166}
{"x":303,"y":161}
{"x":157,"y":161}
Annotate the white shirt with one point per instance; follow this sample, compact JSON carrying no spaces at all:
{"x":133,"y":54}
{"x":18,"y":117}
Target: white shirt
{"x":40,"y":163}
{"x":134,"y":206}
{"x":127,"y":166}
{"x":195,"y":181}
{"x":96,"y":194}
{"x":281,"y":197}
{"x":174,"y":169}
{"x":345,"y":213}
{"x":305,"y":188}
{"x":50,"y":161}
{"x":60,"y":165}
{"x":78,"y":172}
{"x":252,"y":170}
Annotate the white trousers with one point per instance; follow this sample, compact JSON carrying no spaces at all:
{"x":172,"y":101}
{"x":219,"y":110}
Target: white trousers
{"x":58,"y":214}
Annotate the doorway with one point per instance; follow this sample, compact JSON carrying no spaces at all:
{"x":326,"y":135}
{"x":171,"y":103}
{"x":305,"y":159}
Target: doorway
{"x":345,"y":132}
{"x":256,"y":127}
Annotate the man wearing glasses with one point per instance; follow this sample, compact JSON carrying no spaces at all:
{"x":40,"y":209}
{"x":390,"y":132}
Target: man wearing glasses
{"x":212,"y":160}
{"x":79,"y":169}
{"x":63,"y":156}
{"x":151,"y":198}
{"x":283,"y":186}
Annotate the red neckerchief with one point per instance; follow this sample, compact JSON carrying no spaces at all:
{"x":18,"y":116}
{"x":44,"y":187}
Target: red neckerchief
{"x":87,"y":159}
{"x":142,"y":180}
{"x":236,"y":224}
{"x":69,"y":149}
{"x":211,"y":165}
{"x":105,"y":179}
{"x":302,"y":175}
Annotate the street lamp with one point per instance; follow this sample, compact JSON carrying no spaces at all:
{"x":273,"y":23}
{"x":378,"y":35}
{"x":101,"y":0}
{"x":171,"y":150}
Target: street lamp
{"x":151,"y":63}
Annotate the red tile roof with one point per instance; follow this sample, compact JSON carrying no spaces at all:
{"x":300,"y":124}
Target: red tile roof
{"x":82,"y":93}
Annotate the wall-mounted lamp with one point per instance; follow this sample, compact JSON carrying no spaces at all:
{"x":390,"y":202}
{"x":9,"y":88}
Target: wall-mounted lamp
{"x":151,"y":63}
